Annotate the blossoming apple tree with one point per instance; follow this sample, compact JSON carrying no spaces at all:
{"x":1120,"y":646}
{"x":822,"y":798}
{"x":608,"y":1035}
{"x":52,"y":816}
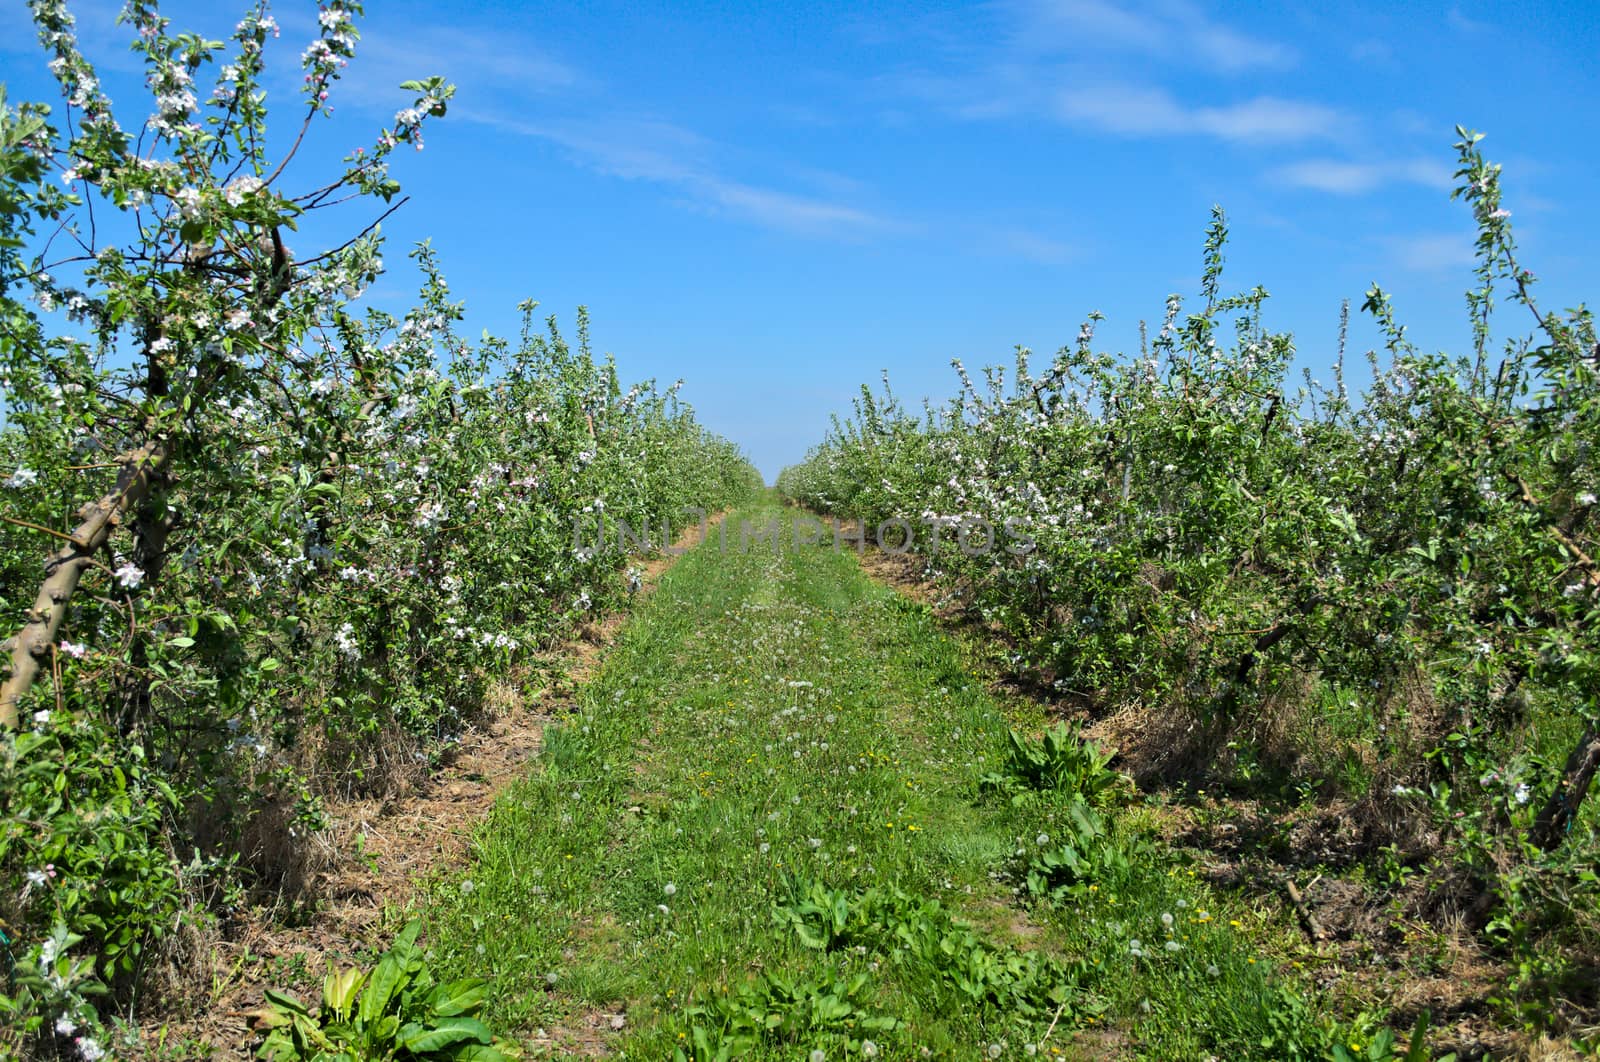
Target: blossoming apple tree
{"x":1408,"y":574}
{"x":258,"y":546}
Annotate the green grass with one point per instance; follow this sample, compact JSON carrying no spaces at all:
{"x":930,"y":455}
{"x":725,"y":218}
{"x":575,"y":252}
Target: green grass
{"x":773,"y":730}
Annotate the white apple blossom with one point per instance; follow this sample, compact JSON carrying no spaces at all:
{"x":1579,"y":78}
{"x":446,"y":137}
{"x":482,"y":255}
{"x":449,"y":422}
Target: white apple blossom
{"x":346,"y":642}
{"x":241,"y":188}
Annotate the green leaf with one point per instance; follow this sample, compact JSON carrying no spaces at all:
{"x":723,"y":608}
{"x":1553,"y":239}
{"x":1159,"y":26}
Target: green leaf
{"x":446,"y":1033}
{"x":404,"y":947}
{"x":285,"y":1002}
{"x":384,"y":1031}
{"x":458,"y":997}
{"x":382,"y":987}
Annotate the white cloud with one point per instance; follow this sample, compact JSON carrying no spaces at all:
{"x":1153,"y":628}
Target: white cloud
{"x":1028,"y":245}
{"x":630,"y":148}
{"x":1087,"y":62}
{"x":1225,"y":50}
{"x":1467,"y":25}
{"x":103,"y":40}
{"x":1130,"y":110}
{"x":1372,"y":50}
{"x":483,"y":67}
{"x":660,"y":152}
{"x":1134,"y":110}
{"x":1268,"y":118}
{"x":1431,"y":253}
{"x":784,"y":211}
{"x":470,"y":58}
{"x":506,"y":73}
{"x":1172,"y":29}
{"x":1341,"y":177}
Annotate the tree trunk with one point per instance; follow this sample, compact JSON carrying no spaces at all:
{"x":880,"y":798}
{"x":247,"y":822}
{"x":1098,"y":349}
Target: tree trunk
{"x":30,"y":647}
{"x":1561,"y":810}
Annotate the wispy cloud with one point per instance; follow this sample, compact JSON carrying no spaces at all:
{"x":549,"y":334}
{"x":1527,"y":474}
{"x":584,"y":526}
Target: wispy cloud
{"x":660,"y":152}
{"x":17,"y":32}
{"x":1372,"y":51}
{"x":1086,"y":63}
{"x":1027,"y":245}
{"x":1432,"y":253}
{"x":496,"y":64}
{"x":1138,"y":110}
{"x":1170,"y":29}
{"x":1464,"y":24}
{"x":1343,"y":177}
{"x":501,"y":76}
{"x":481,"y":66}
{"x":794,"y":213}
{"x":99,"y":35}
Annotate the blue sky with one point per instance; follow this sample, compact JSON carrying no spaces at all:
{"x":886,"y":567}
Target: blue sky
{"x":776,"y":202}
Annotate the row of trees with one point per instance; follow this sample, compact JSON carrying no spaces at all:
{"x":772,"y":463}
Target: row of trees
{"x":1407,"y":573}
{"x":286,"y":543}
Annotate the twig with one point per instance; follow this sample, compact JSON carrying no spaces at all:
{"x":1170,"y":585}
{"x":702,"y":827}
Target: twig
{"x":1591,"y":569}
{"x":36,"y":527}
{"x":1313,"y":928}
{"x":55,"y":673}
{"x":353,"y":239}
{"x":295,"y":147}
{"x":1053,"y":1021}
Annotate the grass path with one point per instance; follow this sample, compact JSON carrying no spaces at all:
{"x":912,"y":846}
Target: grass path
{"x":765,"y":834}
